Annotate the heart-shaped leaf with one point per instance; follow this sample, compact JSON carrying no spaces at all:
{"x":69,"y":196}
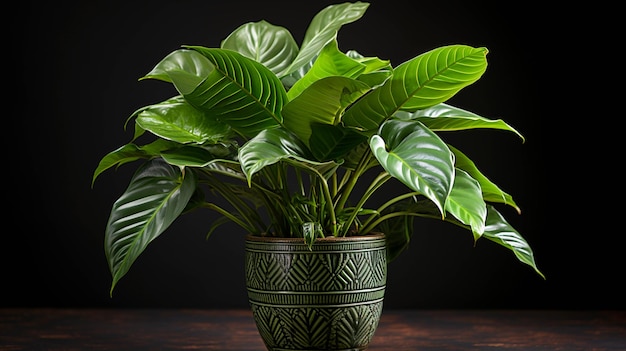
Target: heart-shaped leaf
{"x":271,"y":45}
{"x":417,"y":157}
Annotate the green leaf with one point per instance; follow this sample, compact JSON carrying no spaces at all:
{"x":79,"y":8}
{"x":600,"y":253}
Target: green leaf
{"x":155,"y":197}
{"x":195,"y":156}
{"x":354,"y":156}
{"x":273,"y":46}
{"x":186,"y":68}
{"x":322,"y":103}
{"x":417,"y":157}
{"x":498,"y":230}
{"x":448,"y":69}
{"x":330,"y":62}
{"x":490,"y":191}
{"x":426,"y":80}
{"x":310,"y":231}
{"x":322,"y":29}
{"x":376,"y":70}
{"x":444,"y":117}
{"x":239,"y":91}
{"x":177,"y":120}
{"x":269,"y":147}
{"x":124,"y":154}
{"x":129,"y":153}
{"x":466,"y":203}
{"x":329,"y":142}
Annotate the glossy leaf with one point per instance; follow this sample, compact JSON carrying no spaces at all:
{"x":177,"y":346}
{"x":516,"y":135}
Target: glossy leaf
{"x":322,"y":29}
{"x":239,"y":91}
{"x":177,"y":120}
{"x":186,"y":68}
{"x":426,"y":80}
{"x":273,"y":46}
{"x":466,"y":203}
{"x":376,"y":70}
{"x":490,"y":191}
{"x":269,"y":147}
{"x":417,"y":157}
{"x":498,"y":230}
{"x":195,"y":156}
{"x":129,"y":153}
{"x":322,"y":103}
{"x":155,"y":197}
{"x":444,"y":117}
{"x":329,"y":142}
{"x":123,"y":154}
{"x":330,"y":62}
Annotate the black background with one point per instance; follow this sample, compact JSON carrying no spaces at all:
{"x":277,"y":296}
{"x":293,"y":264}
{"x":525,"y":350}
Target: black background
{"x":77,"y":68}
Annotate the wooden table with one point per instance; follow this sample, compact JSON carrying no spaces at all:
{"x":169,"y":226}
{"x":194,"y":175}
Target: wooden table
{"x":173,"y":329}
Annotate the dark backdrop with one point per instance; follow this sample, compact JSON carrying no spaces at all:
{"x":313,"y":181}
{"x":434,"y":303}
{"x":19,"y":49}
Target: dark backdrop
{"x":77,"y":68}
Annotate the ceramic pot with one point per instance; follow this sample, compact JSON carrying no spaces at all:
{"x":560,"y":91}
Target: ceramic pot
{"x":329,"y":297}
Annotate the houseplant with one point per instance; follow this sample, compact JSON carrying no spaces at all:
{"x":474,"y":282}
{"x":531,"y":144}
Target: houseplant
{"x":293,"y":141}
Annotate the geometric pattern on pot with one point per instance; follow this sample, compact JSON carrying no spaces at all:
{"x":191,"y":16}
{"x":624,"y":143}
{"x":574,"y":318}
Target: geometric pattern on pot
{"x":329,"y":297}
{"x":328,"y":329}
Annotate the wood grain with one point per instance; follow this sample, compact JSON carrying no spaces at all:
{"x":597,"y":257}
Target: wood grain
{"x":399,"y":330}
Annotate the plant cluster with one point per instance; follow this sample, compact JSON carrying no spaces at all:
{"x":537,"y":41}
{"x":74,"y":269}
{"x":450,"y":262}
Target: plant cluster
{"x":294,"y":140}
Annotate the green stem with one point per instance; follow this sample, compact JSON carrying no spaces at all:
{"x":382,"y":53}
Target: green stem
{"x":326,"y":191}
{"x":246,"y":226}
{"x":376,"y":183}
{"x":353,"y":179}
{"x":394,"y":214}
{"x":387,"y":204}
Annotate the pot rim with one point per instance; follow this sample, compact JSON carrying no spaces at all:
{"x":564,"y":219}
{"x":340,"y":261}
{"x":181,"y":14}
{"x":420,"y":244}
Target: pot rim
{"x":275,"y":239}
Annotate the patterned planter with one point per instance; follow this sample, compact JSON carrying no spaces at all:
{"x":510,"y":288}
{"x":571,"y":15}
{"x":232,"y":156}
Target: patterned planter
{"x":327,"y":298}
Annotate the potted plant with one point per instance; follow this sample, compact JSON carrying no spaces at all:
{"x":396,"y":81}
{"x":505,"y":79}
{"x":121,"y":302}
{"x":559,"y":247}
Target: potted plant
{"x":290,"y":142}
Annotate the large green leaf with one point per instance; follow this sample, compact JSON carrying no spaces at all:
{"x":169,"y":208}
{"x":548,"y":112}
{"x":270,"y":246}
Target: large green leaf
{"x":426,"y":80}
{"x":177,"y":120}
{"x":417,"y":157}
{"x":490,"y":191}
{"x":444,"y":117}
{"x":330,"y":62}
{"x":466,"y":203}
{"x":322,"y":103}
{"x":498,"y":230}
{"x":155,"y":197}
{"x":239,"y":91}
{"x":271,"y":45}
{"x":322,"y":29}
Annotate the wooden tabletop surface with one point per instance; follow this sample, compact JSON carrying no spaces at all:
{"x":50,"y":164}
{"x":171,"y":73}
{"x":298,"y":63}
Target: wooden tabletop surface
{"x":399,"y":330}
